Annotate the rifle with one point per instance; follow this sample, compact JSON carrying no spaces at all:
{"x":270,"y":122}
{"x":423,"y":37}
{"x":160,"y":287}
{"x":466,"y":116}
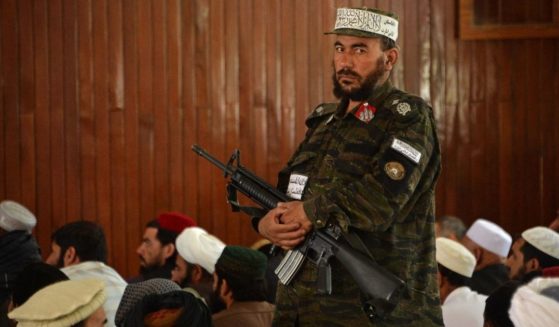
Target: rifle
{"x":381,"y":288}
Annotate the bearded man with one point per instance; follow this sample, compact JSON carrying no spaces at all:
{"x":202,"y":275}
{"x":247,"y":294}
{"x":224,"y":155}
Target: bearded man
{"x":369,"y":165}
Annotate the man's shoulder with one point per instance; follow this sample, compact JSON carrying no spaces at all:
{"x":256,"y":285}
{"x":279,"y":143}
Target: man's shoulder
{"x":406,"y":105}
{"x":321,"y":111}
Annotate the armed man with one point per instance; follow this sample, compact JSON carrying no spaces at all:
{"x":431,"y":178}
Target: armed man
{"x":368,"y":165}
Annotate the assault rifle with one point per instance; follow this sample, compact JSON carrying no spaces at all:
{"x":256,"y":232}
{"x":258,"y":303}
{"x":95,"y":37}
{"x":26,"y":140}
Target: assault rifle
{"x":381,"y":289}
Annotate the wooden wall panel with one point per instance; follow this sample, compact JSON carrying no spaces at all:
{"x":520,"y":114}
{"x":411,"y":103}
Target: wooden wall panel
{"x":102,"y":100}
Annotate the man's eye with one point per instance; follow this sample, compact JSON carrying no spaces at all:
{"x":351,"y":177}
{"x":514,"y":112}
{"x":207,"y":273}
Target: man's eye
{"x":360,"y":51}
{"x":339,"y":49}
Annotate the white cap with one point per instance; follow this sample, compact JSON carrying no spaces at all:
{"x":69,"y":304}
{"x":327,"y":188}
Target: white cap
{"x":543,"y":239}
{"x":490,"y":236}
{"x":196,"y":246}
{"x":534,"y":305}
{"x":455,"y":257}
{"x":14,"y":216}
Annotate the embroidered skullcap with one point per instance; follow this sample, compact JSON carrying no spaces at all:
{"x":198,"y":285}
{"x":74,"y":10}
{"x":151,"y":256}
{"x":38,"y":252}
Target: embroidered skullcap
{"x":134,"y":293}
{"x":490,"y":236}
{"x":242,"y":262}
{"x":61,"y":304}
{"x":365,"y":22}
{"x":175,"y":222}
{"x":536,"y":304}
{"x":543,"y":239}
{"x":197,"y":246}
{"x":14,"y":216}
{"x":455,"y":257}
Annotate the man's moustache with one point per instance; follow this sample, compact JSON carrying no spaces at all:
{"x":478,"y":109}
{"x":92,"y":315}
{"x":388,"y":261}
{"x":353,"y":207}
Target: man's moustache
{"x":347,"y":72}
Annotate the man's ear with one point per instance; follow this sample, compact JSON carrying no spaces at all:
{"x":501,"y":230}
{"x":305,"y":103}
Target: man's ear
{"x":71,"y":257}
{"x":532,"y":265}
{"x":168,"y":250}
{"x":390,"y":58}
{"x":196,"y":273}
{"x":224,"y":289}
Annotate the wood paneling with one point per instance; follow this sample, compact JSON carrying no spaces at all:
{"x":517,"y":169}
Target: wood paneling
{"x":101,"y":101}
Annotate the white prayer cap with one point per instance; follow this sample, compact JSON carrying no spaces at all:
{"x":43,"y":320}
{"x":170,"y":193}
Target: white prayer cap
{"x":536,"y":304}
{"x":543,"y":239}
{"x":455,"y":257}
{"x":14,"y":216}
{"x":490,"y":236}
{"x":196,"y":246}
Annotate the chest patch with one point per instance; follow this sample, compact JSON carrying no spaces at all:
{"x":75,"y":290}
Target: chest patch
{"x":406,"y":149}
{"x":296,"y":187}
{"x":366,"y":112}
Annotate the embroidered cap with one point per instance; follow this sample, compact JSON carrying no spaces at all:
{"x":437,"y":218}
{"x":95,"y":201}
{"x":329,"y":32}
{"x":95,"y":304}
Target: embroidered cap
{"x":196,"y":246}
{"x":14,"y":216}
{"x":61,"y":304}
{"x":134,"y":293}
{"x":455,"y":257}
{"x":175,"y":222}
{"x":366,"y":22}
{"x":490,"y":236}
{"x":543,"y":239}
{"x":242,"y":262}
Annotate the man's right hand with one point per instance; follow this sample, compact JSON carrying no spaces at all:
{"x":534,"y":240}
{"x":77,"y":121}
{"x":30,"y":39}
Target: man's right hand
{"x":287,"y":236}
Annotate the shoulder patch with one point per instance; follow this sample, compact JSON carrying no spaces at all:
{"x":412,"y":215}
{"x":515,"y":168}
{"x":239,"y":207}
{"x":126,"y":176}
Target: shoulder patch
{"x":403,"y":108}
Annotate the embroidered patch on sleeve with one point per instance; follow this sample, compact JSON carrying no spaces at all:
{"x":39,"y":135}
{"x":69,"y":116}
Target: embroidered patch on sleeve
{"x":395,"y":170}
{"x":407,"y":150}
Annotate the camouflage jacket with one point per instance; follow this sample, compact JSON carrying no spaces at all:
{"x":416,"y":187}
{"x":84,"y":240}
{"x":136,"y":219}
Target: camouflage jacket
{"x":372,"y":172}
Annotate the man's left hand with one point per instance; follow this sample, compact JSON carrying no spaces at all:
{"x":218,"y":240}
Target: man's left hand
{"x":295,"y":213}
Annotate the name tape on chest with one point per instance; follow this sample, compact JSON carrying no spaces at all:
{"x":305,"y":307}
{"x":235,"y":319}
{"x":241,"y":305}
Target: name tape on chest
{"x":407,"y":150}
{"x":296,"y":187}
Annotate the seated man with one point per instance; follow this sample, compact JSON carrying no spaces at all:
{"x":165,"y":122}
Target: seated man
{"x":17,"y":249}
{"x":535,"y":250}
{"x":157,"y":251}
{"x":461,"y":306}
{"x":240,"y":282}
{"x":490,"y":245}
{"x":66,"y":303}
{"x":195,"y":244}
{"x":80,"y":249}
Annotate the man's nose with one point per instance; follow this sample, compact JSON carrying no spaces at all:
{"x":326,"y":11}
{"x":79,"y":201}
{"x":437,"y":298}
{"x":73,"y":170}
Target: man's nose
{"x":345,"y":61}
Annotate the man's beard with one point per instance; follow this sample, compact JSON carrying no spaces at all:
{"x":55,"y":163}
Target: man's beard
{"x":363,"y":91}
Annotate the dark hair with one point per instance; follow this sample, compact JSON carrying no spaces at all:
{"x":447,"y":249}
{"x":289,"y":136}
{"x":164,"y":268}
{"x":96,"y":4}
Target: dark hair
{"x":163,"y":235}
{"x":453,"y":278}
{"x":545,"y":260}
{"x":450,"y":224}
{"x":387,"y":43}
{"x":34,"y":277}
{"x":244,"y":289}
{"x":497,"y":305}
{"x":86,"y":237}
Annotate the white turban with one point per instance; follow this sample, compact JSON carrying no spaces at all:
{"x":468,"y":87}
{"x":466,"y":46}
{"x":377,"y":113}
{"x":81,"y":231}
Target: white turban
{"x":530,"y":308}
{"x":14,"y":216}
{"x":196,"y":246}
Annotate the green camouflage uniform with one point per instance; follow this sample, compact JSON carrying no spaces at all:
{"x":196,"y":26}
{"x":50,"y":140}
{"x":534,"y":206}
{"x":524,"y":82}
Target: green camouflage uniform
{"x":384,"y":193}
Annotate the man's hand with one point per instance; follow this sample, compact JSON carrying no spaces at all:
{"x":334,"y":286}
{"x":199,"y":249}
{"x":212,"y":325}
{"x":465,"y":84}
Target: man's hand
{"x":295,"y":213}
{"x":287,"y":235}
